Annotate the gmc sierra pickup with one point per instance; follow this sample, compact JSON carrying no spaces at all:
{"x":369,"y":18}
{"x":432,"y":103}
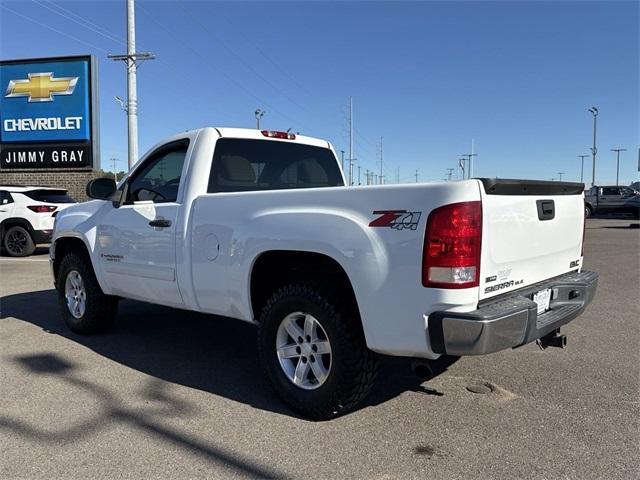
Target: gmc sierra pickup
{"x":258,"y":226}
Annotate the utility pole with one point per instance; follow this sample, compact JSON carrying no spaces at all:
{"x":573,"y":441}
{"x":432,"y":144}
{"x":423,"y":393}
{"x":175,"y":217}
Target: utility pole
{"x":115,"y":171}
{"x":381,"y":153}
{"x":359,"y":183}
{"x":473,"y":141}
{"x":416,"y":174}
{"x":469,"y":157}
{"x":259,"y":113}
{"x":560,"y":176}
{"x":618,"y":150}
{"x":130,"y":60}
{"x":594,"y":149}
{"x":449,"y":173}
{"x":581,"y":157}
{"x":350,"y":140}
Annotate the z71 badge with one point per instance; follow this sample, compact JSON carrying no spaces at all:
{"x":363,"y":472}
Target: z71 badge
{"x":397,"y":219}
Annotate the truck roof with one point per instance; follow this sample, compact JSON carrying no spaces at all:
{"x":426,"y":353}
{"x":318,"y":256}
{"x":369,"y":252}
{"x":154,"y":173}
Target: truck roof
{"x":252,"y":133}
{"x":27,"y":188}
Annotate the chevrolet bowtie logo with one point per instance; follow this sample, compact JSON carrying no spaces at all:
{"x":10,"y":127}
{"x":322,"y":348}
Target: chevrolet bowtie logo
{"x":41,"y":87}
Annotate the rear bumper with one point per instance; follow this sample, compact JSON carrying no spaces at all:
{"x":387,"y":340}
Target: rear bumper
{"x":42,"y":236}
{"x":513,"y":320}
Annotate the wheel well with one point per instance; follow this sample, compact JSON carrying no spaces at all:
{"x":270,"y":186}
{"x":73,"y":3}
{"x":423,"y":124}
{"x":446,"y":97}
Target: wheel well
{"x":65,"y":245}
{"x":16,"y":221}
{"x":278,"y":268}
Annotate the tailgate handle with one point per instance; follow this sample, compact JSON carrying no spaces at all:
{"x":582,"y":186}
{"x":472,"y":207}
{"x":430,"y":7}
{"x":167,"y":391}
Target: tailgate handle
{"x":546,"y":209}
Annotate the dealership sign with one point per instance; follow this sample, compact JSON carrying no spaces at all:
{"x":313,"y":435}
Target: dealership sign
{"x":47,"y":113}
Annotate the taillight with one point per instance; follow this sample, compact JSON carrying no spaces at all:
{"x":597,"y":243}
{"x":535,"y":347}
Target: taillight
{"x":274,"y":134}
{"x":41,"y":208}
{"x":452,"y":244}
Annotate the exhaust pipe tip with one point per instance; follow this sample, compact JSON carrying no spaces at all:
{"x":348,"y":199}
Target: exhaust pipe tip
{"x":422,"y":369}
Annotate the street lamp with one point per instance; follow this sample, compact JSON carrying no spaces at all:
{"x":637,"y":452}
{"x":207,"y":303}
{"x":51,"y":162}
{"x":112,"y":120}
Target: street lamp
{"x":259,"y":113}
{"x":618,"y":150}
{"x":594,"y":149}
{"x":560,"y":176}
{"x":582,"y":167}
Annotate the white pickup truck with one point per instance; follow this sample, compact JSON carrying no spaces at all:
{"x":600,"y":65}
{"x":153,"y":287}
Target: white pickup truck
{"x":258,"y":226}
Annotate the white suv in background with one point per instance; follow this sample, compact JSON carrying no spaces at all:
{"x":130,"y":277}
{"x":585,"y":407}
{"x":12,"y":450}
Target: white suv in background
{"x":26,"y":216}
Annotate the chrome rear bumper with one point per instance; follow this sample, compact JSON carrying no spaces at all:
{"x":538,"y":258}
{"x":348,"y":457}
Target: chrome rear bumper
{"x":513,"y":320}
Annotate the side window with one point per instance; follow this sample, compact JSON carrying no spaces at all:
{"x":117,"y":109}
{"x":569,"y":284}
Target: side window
{"x":241,"y":165}
{"x":159,"y":178}
{"x":610,"y":191}
{"x":5,"y":198}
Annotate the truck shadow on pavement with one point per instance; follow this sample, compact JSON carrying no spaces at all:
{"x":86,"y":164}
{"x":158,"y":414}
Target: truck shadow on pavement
{"x":209,"y":353}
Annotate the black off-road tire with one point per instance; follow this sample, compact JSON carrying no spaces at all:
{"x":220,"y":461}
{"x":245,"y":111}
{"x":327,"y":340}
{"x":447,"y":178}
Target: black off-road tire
{"x":100,"y":309}
{"x":17,"y":242}
{"x":354,"y":366}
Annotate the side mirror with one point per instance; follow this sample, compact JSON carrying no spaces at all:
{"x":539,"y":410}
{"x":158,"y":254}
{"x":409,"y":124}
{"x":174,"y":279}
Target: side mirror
{"x":101,"y":188}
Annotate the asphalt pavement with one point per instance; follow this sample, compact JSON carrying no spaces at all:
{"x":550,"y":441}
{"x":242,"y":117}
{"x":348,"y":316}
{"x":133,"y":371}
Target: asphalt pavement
{"x":171,"y":394}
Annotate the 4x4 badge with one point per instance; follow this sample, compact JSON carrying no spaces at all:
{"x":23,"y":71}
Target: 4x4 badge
{"x":397,"y":219}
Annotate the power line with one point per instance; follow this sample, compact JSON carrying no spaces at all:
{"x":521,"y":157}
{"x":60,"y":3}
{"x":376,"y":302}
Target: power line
{"x":245,"y":63}
{"x":84,"y":23}
{"x":206,"y":61}
{"x":53,"y":29}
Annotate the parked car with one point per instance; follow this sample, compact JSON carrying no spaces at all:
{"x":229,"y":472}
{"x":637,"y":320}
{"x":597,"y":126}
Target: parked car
{"x":258,"y":226}
{"x":27,"y":215}
{"x":612,"y":199}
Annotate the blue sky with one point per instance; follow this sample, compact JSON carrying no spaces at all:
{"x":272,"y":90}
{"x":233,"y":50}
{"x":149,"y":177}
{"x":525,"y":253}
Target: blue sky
{"x":515,"y":76}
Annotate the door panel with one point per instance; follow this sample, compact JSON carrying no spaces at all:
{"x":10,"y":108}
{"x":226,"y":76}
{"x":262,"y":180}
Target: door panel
{"x":137,"y":240}
{"x":138,"y":259}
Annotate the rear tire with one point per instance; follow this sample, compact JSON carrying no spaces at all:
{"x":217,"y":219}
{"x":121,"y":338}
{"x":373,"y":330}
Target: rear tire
{"x":348,"y":367}
{"x":17,"y":242}
{"x":84,"y":306}
{"x":588,"y":211}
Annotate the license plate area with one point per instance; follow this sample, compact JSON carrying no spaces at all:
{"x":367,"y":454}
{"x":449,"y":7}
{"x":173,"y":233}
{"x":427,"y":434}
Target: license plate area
{"x":542,"y":300}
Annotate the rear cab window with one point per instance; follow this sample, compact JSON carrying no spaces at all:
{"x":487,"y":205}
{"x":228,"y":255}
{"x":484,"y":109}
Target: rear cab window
{"x":243,"y":165}
{"x":49,"y":196}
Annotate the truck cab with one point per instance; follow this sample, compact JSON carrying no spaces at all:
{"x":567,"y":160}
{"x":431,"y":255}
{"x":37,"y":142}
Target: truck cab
{"x":612,"y":199}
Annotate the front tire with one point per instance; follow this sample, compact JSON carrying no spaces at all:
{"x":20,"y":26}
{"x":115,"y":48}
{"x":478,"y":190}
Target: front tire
{"x":84,"y":306}
{"x":17,"y":242}
{"x":313,"y":352}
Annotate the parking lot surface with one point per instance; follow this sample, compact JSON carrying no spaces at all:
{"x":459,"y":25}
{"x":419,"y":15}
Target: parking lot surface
{"x":172,"y":394}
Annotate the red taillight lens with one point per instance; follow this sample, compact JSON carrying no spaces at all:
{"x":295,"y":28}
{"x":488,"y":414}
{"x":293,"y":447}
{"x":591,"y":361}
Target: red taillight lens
{"x":274,"y":134}
{"x":452,"y":244}
{"x":41,"y":208}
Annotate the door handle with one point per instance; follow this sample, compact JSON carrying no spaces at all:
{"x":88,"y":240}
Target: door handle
{"x":160,"y":223}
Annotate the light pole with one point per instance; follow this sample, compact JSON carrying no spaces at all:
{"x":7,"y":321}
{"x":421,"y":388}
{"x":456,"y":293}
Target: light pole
{"x":582,"y":167}
{"x":618,"y":150}
{"x":259,"y":113}
{"x":594,"y":149}
{"x":560,"y":176}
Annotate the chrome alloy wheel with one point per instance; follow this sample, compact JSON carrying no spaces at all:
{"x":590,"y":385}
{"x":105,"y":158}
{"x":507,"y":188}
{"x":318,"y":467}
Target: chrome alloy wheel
{"x":303,"y":350}
{"x":75,"y":294}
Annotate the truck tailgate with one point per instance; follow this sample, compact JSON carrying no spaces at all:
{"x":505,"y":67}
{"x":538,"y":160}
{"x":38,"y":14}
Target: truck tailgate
{"x":532,"y":231}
